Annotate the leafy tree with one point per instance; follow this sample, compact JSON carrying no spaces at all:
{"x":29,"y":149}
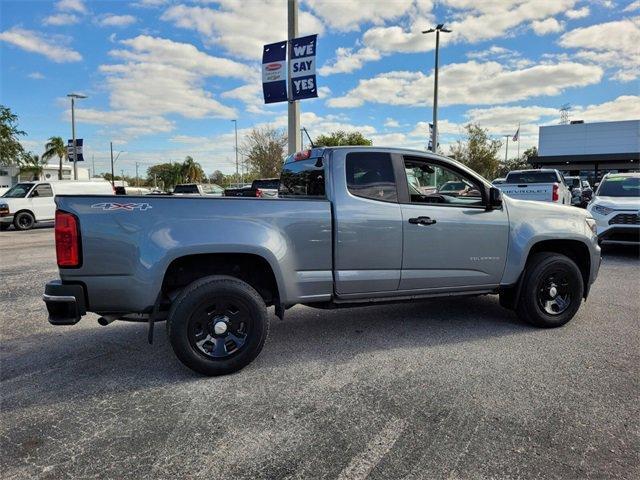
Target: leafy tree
{"x":217,"y":177}
{"x":55,"y":147}
{"x":10,"y":148}
{"x":477,"y":151}
{"x":168,"y":174}
{"x":31,"y":165}
{"x":192,"y":171}
{"x":264,"y":149}
{"x":522,"y":163}
{"x":341,"y":138}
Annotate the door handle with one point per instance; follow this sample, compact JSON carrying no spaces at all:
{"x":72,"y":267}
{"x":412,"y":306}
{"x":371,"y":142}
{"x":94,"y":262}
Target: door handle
{"x":422,"y":221}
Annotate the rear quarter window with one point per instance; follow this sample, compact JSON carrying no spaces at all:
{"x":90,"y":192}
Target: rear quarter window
{"x":304,"y":178}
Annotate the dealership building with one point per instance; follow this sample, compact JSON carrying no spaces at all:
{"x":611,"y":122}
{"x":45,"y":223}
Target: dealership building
{"x":589,"y":149}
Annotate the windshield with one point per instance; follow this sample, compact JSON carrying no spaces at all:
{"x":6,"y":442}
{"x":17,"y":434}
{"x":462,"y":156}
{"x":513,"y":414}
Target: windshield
{"x":532,"y":177}
{"x":18,"y":191}
{"x":186,"y":189}
{"x":620,"y":187}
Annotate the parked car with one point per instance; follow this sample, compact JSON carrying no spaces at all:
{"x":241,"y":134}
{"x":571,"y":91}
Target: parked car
{"x":206,"y":189}
{"x":575,"y":185}
{"x":347,"y":230}
{"x":131,"y":190}
{"x":616,"y":208}
{"x":541,"y":185}
{"x":261,"y":188}
{"x":498,"y":181}
{"x":28,"y":203}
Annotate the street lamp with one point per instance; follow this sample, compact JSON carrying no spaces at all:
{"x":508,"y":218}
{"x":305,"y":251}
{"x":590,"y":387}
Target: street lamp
{"x":434,"y":134}
{"x":235,"y":123}
{"x":73,"y":97}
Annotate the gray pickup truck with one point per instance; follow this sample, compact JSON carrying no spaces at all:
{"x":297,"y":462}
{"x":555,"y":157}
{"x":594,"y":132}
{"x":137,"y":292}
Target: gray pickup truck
{"x":353,"y":226}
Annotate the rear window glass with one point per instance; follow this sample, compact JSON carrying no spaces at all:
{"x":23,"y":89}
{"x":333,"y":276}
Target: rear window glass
{"x":186,"y":189}
{"x":272,"y":184}
{"x":370,"y":175}
{"x":304,"y":178}
{"x":532,"y":177}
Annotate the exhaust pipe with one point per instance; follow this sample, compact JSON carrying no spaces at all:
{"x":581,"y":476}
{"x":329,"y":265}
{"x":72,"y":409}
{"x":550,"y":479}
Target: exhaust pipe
{"x":106,"y":320}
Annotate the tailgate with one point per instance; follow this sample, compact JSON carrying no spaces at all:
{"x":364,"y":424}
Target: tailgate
{"x":541,"y":192}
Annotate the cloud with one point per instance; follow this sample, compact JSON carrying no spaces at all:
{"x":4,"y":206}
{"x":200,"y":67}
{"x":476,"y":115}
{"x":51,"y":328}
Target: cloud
{"x":150,"y":3}
{"x":548,"y":25}
{"x":111,"y":20}
{"x":348,"y":15}
{"x":125,"y":122}
{"x":34,"y":42}
{"x":61,"y":19}
{"x":625,"y":107}
{"x":469,"y":83}
{"x":71,"y":6}
{"x":348,"y":61}
{"x":610,"y":45}
{"x":578,"y":13}
{"x":239,"y":27}
{"x":635,"y":5}
{"x":391,"y":123}
{"x":36,"y":76}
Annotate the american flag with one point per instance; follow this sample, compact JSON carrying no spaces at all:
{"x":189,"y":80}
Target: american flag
{"x":516,"y":136}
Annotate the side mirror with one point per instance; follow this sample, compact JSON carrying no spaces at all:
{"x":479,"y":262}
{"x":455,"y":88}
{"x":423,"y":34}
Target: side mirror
{"x":495,"y":198}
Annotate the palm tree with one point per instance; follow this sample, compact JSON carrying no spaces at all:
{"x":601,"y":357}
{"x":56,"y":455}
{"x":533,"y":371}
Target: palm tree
{"x":191,"y":170}
{"x":33,"y":165}
{"x":55,"y":147}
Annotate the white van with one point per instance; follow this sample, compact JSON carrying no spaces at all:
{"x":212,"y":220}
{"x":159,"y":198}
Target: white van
{"x":27,"y":203}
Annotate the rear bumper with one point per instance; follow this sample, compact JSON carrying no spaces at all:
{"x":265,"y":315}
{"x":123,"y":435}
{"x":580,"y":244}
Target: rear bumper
{"x":65,"y":303}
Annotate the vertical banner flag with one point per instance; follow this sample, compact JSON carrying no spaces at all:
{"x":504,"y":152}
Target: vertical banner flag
{"x":302,"y":67}
{"x":70,"y":153}
{"x":274,"y":72}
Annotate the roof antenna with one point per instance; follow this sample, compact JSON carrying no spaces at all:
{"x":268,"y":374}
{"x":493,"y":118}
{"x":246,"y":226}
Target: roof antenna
{"x":310,"y":141}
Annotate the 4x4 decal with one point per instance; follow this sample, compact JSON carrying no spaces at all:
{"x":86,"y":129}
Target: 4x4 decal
{"x":127,"y":207}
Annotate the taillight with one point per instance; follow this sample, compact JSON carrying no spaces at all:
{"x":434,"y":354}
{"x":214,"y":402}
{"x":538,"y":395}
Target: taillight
{"x":67,"y":239}
{"x":554,"y":194}
{"x":258,"y":193}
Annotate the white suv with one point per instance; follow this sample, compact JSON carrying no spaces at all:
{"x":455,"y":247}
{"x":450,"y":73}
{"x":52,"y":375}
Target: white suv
{"x":616,"y":208}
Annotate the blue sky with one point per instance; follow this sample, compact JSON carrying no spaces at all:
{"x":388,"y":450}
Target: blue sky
{"x":165,"y":78}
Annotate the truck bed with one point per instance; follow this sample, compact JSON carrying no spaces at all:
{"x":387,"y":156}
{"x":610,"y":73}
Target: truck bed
{"x":127,"y":245}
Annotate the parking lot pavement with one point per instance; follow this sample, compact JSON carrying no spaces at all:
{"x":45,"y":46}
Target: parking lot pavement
{"x":434,"y":389}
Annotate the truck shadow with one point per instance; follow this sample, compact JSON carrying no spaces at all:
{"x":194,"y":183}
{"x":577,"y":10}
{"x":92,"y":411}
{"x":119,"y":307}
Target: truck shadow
{"x":81,"y":363}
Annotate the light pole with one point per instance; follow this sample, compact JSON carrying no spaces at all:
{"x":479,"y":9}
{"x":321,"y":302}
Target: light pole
{"x":506,"y":150}
{"x":235,"y":124}
{"x":73,"y":97}
{"x":434,"y":134}
{"x":113,"y":161}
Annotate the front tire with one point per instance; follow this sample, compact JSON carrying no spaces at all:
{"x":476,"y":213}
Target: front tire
{"x":552,"y":290}
{"x":24,"y":221}
{"x":218,"y":325}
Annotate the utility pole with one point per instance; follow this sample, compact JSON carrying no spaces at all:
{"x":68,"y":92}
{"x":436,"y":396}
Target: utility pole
{"x":293,"y":132}
{"x":506,"y":150}
{"x":112,"y":174}
{"x":235,"y":123}
{"x":434,"y":134}
{"x":122,"y":173}
{"x":93,"y":165}
{"x":137,"y":179}
{"x":73,"y":97}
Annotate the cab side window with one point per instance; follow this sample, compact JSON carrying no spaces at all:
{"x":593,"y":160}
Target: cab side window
{"x":435,"y":184}
{"x":42,"y":190}
{"x":370,"y":175}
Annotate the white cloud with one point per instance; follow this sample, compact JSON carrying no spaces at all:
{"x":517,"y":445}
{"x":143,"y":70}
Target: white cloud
{"x":71,"y":6}
{"x":391,"y":123}
{"x":348,"y":15}
{"x":611,"y":45}
{"x":36,"y":76}
{"x":34,"y":42}
{"x":111,"y":20}
{"x":578,"y":13}
{"x":470,"y":83}
{"x":241,"y":27}
{"x":348,"y":61}
{"x":150,"y":3}
{"x":126,"y":122}
{"x":548,"y":25}
{"x":625,"y":107}
{"x":635,"y":5}
{"x":61,"y":19}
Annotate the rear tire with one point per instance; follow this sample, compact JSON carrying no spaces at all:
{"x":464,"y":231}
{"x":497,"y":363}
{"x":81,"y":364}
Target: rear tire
{"x":218,"y":325}
{"x":24,"y":221}
{"x":552,"y":290}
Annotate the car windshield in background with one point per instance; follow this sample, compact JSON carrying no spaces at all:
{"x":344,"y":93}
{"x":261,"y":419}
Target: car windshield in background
{"x":186,"y":189}
{"x":18,"y":191}
{"x":532,"y":177}
{"x":272,"y":184}
{"x":620,"y":187}
{"x":302,"y":178}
